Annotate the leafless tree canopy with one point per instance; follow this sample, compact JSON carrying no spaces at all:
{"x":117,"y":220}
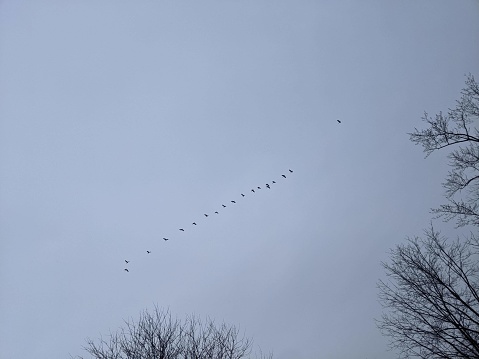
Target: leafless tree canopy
{"x":458,"y":129}
{"x":432,"y":298}
{"x":159,"y":336}
{"x":431,"y":294}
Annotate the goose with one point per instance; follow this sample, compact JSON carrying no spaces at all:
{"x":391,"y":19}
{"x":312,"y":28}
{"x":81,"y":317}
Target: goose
{"x":148,"y":252}
{"x":165,"y":238}
{"x":259,"y":187}
{"x":233,"y":202}
{"x":206,"y":215}
{"x":252,"y":190}
{"x":242,"y":195}
{"x":283,"y":176}
{"x":194,"y":223}
{"x":291,"y":171}
{"x":267,"y":186}
{"x":216,"y":212}
{"x":181,"y":229}
{"x":126,"y":270}
{"x":223,"y":206}
{"x":338,"y":121}
{"x":127,"y":261}
{"x":273,"y":182}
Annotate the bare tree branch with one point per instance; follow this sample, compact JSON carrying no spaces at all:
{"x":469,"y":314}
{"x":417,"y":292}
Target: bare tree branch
{"x":159,"y":336}
{"x":431,"y":298}
{"x":457,"y":129}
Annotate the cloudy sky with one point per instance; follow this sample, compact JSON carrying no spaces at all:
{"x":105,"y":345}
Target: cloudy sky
{"x":123,"y":121}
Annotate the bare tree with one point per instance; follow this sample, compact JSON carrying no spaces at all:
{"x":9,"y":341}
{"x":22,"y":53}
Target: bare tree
{"x":431,"y":295}
{"x":159,"y":336}
{"x":432,"y":298}
{"x":457,"y":129}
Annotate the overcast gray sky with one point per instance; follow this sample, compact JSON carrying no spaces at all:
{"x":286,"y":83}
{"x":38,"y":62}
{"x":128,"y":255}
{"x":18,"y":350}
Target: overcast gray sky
{"x":122,"y":121}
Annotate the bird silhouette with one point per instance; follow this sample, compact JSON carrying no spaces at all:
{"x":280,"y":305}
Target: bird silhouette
{"x":338,"y":121}
{"x":126,"y":270}
{"x":233,"y":202}
{"x":223,"y":206}
{"x":165,"y":238}
{"x":194,"y":223}
{"x":206,"y":215}
{"x":259,"y":187}
{"x":252,"y":190}
{"x":291,"y":171}
{"x":283,"y":176}
{"x":273,"y":182}
{"x":148,"y":252}
{"x":127,"y":261}
{"x":267,"y":186}
{"x":216,"y":212}
{"x":242,"y":195}
{"x":181,"y":229}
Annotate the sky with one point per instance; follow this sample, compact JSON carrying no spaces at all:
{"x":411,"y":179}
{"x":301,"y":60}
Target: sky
{"x":123,"y":121}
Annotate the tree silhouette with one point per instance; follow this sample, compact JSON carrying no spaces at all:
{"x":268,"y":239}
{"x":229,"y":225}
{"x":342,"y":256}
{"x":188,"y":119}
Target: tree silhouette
{"x":457,"y":129}
{"x":432,"y":298}
{"x":158,"y":335}
{"x":431,"y":295}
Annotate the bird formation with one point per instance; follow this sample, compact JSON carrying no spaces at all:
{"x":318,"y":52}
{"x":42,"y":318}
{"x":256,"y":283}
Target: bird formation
{"x":268,"y":186}
{"x":234,"y":202}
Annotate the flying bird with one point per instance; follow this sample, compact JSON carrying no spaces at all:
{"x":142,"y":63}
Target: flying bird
{"x":259,"y":187}
{"x":181,"y":229}
{"x":127,"y":261}
{"x":233,"y":202}
{"x":194,"y":223}
{"x":165,"y":238}
{"x":267,"y":186}
{"x":273,"y":182}
{"x":283,"y":176}
{"x":126,"y":270}
{"x":148,"y":252}
{"x":223,"y":206}
{"x":252,"y":190}
{"x":216,"y":212}
{"x":242,"y":195}
{"x":206,"y":215}
{"x":291,"y":171}
{"x":338,"y":121}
